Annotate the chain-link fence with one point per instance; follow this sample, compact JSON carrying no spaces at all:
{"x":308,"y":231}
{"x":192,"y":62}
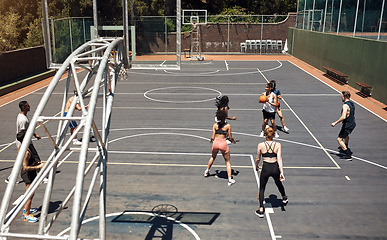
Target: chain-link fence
{"x":358,"y":18}
{"x":67,"y":35}
{"x":157,"y":34}
{"x":221,"y":33}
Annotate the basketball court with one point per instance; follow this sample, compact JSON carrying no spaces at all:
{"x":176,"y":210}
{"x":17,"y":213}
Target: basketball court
{"x":159,"y":148}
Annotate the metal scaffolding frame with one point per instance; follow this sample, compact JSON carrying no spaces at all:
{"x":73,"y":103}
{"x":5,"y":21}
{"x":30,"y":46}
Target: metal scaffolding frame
{"x":102,"y":58}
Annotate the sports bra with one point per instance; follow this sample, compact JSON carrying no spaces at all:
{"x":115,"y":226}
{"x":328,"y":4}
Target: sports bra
{"x":271,"y":154}
{"x":220,"y":131}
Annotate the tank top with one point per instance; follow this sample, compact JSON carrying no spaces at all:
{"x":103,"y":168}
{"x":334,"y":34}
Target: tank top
{"x":349,"y":123}
{"x":267,"y":106}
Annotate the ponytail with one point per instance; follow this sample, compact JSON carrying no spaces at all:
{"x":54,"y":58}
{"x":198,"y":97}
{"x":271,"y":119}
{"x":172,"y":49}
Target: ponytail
{"x":269,"y":133}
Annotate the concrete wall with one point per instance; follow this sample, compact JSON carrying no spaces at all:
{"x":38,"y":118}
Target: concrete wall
{"x":363,"y":60}
{"x":214,"y":36}
{"x":21,"y":63}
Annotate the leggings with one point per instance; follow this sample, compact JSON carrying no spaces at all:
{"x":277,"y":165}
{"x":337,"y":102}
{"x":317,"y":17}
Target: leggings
{"x":269,"y":170}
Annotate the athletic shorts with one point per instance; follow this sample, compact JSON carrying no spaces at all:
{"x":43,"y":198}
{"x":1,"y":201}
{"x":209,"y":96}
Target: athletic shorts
{"x":220,"y":144}
{"x":28,"y":176}
{"x":73,"y":124}
{"x":268,"y":115}
{"x":343,"y":133}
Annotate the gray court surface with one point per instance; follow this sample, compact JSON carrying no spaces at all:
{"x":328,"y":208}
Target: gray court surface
{"x":159,"y":148}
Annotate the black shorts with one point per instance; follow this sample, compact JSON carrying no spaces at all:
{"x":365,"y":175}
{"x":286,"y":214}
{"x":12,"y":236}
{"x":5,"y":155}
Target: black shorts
{"x":268,"y":115}
{"x":343,"y":133}
{"x":28,"y":176}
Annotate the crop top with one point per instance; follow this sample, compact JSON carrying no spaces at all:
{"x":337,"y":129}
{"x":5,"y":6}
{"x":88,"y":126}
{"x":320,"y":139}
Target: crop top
{"x":220,"y":131}
{"x":271,"y":154}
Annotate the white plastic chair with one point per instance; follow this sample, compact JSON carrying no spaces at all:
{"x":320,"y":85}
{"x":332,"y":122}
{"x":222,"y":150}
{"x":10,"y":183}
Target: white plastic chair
{"x":248,"y":45}
{"x":269,"y":45}
{"x":279,"y":45}
{"x":258,"y":45}
{"x":263,"y":45}
{"x":253,"y":45}
{"x":274,"y":45}
{"x":243,"y":47}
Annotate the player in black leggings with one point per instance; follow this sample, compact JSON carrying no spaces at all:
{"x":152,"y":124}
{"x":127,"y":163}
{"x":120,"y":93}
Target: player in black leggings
{"x":271,"y":167}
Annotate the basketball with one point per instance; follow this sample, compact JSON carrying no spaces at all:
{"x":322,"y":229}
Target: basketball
{"x":262,"y":99}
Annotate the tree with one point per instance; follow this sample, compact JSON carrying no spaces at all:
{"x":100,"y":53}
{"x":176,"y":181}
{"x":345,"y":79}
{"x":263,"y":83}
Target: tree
{"x":35,"y":34}
{"x":9,"y":33}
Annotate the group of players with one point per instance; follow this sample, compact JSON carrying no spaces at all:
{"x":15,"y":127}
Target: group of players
{"x":269,"y":150}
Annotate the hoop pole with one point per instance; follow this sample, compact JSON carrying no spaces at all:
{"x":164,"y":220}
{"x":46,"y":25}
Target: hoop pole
{"x":178,"y":35}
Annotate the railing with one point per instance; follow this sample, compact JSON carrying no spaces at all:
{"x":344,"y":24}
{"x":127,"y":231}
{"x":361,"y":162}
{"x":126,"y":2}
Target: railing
{"x":102,"y":59}
{"x":366,"y":19}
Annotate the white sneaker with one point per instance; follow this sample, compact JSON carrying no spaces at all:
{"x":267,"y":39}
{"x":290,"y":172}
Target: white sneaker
{"x":32,"y":210}
{"x":30,"y":218}
{"x":262,"y":134}
{"x":77,"y":142}
{"x":206,"y":173}
{"x":276,"y":135}
{"x":267,"y":126}
{"x":286,"y":129}
{"x":45,"y":180}
{"x":231,"y":182}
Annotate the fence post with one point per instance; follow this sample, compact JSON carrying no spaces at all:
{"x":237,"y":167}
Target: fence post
{"x":228,"y":34}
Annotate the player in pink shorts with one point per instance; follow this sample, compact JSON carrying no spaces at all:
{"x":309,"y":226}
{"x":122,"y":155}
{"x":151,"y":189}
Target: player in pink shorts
{"x":220,"y":131}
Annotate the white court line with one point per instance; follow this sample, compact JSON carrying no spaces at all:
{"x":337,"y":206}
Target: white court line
{"x":268,"y":219}
{"x":182,"y":108}
{"x":303,"y":124}
{"x":254,"y":136}
{"x":243,"y":134}
{"x":311,"y":94}
{"x":225,"y":62}
{"x":196,"y":63}
{"x":209,"y":75}
{"x":158,"y":100}
{"x":139,"y":213}
{"x":338,"y":91}
{"x":185,"y":74}
{"x":191,"y":83}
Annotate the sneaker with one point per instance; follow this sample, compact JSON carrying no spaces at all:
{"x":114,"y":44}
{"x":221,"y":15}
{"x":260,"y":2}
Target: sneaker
{"x":30,"y":218}
{"x":92,"y":139}
{"x":260,"y":213}
{"x":285,"y":200}
{"x":262,"y":134}
{"x":267,"y":126}
{"x":346,"y":157}
{"x":286,"y":129}
{"x":276,"y":135}
{"x":45,"y":180}
{"x":77,"y":142}
{"x":231,"y":182}
{"x":32,"y":210}
{"x":6,"y":180}
{"x":206,"y":173}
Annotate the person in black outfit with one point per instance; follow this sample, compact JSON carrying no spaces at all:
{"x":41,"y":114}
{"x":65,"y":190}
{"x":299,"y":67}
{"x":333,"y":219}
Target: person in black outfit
{"x":347,"y":119}
{"x":31,"y":166}
{"x":221,"y":103}
{"x":272,"y":166}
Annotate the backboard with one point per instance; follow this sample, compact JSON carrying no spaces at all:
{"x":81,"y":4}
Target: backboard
{"x":191,"y":17}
